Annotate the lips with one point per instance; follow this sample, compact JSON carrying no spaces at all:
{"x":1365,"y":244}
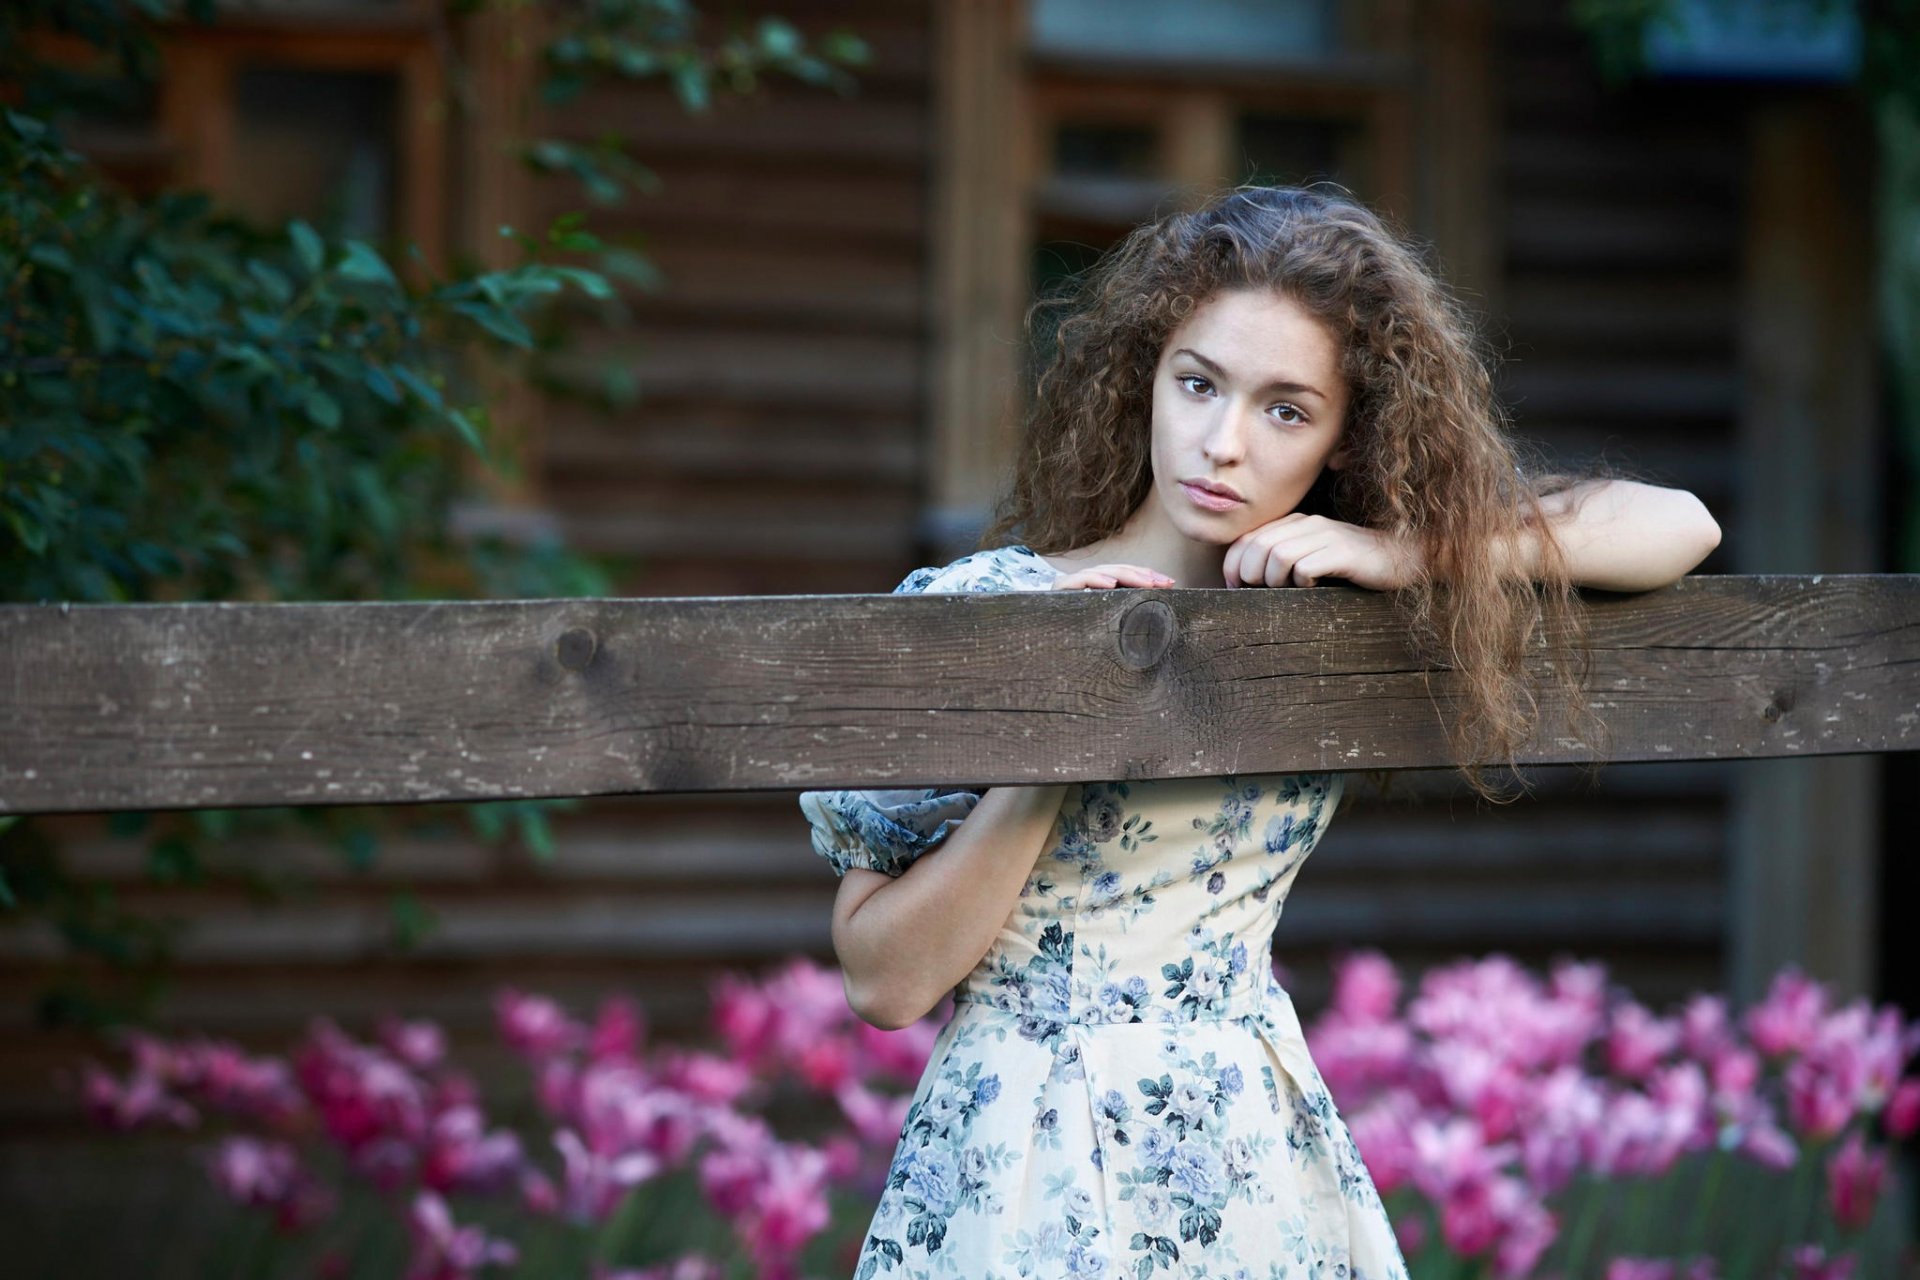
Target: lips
{"x":1209,"y":486}
{"x":1210,"y":497}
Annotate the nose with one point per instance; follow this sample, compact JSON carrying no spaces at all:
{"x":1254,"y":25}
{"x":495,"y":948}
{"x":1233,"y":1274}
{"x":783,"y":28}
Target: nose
{"x":1226,"y":438}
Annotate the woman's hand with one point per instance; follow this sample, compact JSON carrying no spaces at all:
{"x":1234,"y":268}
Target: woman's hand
{"x":1298,"y":550}
{"x":1102,"y":576}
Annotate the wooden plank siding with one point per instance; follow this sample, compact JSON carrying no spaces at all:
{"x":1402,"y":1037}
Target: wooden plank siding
{"x":776,"y":443}
{"x":779,"y":447}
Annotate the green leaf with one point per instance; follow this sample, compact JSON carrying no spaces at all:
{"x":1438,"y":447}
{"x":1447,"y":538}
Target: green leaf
{"x":591,"y":283}
{"x":778,"y":39}
{"x":536,"y":834}
{"x":428,"y":393}
{"x":381,"y":383}
{"x":690,"y":82}
{"x":503,"y":325}
{"x":364,"y":264}
{"x":307,"y":244}
{"x":322,"y":409}
{"x":412,"y":921}
{"x":464,"y":425}
{"x":173,"y":860}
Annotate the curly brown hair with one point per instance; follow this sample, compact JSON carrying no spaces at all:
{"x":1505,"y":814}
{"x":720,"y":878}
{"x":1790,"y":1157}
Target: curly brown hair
{"x":1432,"y":457}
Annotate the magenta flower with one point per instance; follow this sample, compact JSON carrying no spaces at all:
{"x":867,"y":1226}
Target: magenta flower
{"x":1705,"y":1029}
{"x":142,"y":1100}
{"x":1366,"y":987}
{"x":1903,"y":1109}
{"x":692,"y":1266}
{"x":775,"y":1195}
{"x":1628,"y":1268}
{"x":705,"y":1076}
{"x":535,"y":1025}
{"x":444,"y":1251}
{"x":1810,"y":1262}
{"x":421,"y":1045}
{"x":1788,"y":1019}
{"x":618,"y":1032}
{"x":876,"y":1118}
{"x":461,"y":1155}
{"x":596,"y":1182}
{"x":267,"y":1175}
{"x":1637,"y":1042}
{"x":1855,"y":1177}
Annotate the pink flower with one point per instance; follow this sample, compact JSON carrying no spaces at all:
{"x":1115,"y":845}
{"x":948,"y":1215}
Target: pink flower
{"x":443,"y":1251}
{"x":1628,"y":1268}
{"x":745,"y":1018}
{"x":1706,"y":1031}
{"x":461,"y":1156}
{"x":1559,"y":1130}
{"x":1638,"y":1041}
{"x":776,"y":1197}
{"x":1789,"y":1018}
{"x":595,"y":1183}
{"x":1769,"y":1144}
{"x":1903,"y":1109}
{"x":705,"y":1076}
{"x":1358,"y":1058}
{"x":826,"y":1064}
{"x":1821,"y":1094}
{"x":1855,"y":1177}
{"x":1530,"y":1230}
{"x":877,"y":1119}
{"x":535,"y":1025}
{"x":420,"y":1045}
{"x":1810,"y":1262}
{"x":791,"y":1208}
{"x":618,"y":1031}
{"x":267,"y":1175}
{"x":142,"y":1100}
{"x":1452,"y":1154}
{"x":1366,"y":987}
{"x":901,"y":1055}
{"x":691,"y":1266}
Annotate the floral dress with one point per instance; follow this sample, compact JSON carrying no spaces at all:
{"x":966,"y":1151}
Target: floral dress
{"x":1124,"y":1089}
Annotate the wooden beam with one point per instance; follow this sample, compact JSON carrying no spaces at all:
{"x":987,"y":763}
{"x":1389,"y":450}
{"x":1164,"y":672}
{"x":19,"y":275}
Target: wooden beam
{"x":1806,"y":874}
{"x":977,"y":243}
{"x":213,"y":705}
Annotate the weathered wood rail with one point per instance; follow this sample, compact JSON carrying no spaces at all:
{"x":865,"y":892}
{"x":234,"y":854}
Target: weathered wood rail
{"x":108,"y":707}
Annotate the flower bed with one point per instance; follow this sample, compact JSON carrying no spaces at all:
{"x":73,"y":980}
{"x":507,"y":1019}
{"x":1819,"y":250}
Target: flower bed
{"x":1517,"y":1126}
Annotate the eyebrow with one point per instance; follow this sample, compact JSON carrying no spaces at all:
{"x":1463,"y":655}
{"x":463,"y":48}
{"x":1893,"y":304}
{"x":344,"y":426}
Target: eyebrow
{"x":1297,"y":388}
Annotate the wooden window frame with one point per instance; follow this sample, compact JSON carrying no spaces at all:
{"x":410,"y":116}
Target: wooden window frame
{"x":202,"y":65}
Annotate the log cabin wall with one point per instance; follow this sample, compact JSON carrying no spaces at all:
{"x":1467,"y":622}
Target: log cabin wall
{"x":779,"y":446}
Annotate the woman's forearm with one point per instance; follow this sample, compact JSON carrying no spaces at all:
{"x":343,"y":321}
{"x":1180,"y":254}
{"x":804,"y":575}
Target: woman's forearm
{"x":904,"y":942}
{"x":1620,"y":535}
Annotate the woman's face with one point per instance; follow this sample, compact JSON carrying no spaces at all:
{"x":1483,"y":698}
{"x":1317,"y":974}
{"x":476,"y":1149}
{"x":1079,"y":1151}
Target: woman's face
{"x":1247,"y":398}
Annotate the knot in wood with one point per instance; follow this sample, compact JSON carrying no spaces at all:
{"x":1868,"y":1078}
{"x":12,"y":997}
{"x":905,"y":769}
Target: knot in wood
{"x":1777,"y":706}
{"x":576,"y":649}
{"x":1147,"y":631}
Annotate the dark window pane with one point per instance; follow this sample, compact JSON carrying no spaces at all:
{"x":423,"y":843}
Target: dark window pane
{"x":318,"y":145}
{"x":1275,"y":149}
{"x":1105,"y":150}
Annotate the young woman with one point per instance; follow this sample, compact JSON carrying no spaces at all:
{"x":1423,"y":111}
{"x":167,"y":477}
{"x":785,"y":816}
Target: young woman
{"x":1271,"y":390}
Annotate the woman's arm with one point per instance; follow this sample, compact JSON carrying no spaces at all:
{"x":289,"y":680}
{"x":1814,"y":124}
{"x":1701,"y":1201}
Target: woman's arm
{"x":904,"y":942}
{"x":1620,"y":535}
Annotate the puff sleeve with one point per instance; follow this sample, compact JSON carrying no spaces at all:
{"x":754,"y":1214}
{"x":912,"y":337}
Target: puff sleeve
{"x":886,"y":830}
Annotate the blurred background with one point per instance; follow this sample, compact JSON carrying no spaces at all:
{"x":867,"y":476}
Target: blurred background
{"x":1684,"y":236}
